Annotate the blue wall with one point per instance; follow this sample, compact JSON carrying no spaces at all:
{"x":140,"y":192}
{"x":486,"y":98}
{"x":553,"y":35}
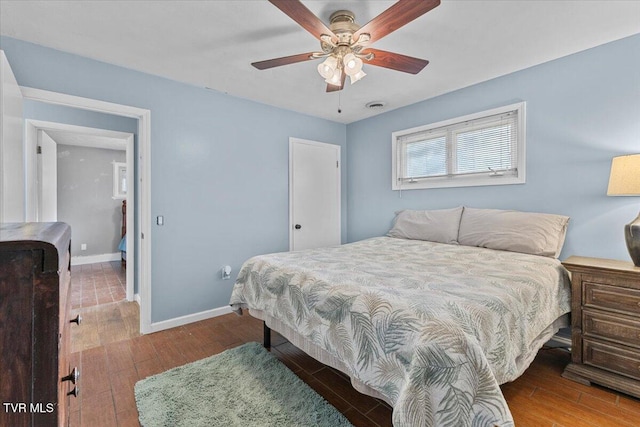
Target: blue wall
{"x":219,"y":170}
{"x":582,"y":110}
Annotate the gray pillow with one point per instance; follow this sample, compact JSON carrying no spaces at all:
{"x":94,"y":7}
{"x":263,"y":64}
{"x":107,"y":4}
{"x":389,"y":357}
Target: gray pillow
{"x":526,"y":232}
{"x":435,"y":225}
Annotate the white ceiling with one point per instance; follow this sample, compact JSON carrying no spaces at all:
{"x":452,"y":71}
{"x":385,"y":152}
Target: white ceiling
{"x":212,"y":43}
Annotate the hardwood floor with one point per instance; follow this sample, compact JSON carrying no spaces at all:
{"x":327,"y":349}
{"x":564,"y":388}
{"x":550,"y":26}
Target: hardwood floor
{"x":95,"y":284}
{"x":105,"y":324}
{"x":541,"y":397}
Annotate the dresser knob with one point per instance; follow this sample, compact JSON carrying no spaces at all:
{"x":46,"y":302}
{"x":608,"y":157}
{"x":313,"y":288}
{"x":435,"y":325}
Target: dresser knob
{"x":77,"y":320}
{"x":73,"y":376}
{"x":74,"y":392}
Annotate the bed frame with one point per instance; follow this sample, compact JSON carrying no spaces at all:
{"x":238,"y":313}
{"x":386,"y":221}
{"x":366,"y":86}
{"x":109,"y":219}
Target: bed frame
{"x":123,"y":260}
{"x":266,"y":335}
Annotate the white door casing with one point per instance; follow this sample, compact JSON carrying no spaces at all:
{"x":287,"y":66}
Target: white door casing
{"x":142,"y":215}
{"x":314,"y":194}
{"x":12,"y":191}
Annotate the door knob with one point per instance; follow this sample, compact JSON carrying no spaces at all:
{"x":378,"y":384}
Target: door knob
{"x":298,"y":227}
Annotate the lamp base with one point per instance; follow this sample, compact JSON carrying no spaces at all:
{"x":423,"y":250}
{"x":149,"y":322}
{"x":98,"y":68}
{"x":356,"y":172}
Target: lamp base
{"x":632,"y":236}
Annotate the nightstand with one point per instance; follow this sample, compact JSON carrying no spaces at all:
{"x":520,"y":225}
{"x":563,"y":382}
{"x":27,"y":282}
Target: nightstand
{"x":605,"y":323}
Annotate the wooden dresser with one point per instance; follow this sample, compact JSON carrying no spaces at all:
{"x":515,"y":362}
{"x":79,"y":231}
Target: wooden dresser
{"x":605,"y":323}
{"x":34,"y":337}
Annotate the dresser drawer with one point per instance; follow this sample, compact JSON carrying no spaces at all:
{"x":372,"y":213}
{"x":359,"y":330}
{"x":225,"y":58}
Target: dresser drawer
{"x":615,"y":298}
{"x":615,"y":327}
{"x":614,"y":358}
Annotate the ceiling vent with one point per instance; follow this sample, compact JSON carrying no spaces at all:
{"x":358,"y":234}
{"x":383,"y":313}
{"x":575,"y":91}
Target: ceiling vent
{"x":375,"y":105}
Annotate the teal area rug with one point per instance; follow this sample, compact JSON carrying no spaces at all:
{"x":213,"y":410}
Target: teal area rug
{"x":244,"y":386}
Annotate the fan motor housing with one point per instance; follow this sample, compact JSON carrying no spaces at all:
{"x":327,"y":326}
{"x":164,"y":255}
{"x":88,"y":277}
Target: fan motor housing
{"x":343,"y":25}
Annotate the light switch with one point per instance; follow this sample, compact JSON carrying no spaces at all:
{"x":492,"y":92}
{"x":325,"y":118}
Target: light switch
{"x":160,"y":220}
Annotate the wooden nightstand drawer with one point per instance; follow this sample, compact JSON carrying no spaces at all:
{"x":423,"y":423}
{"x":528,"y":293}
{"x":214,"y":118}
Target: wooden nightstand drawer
{"x":605,"y":323}
{"x":618,"y":328}
{"x":611,"y":357}
{"x":611,"y":297}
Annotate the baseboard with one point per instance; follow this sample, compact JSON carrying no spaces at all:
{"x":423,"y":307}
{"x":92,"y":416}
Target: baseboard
{"x":93,"y":259}
{"x":190,"y":318}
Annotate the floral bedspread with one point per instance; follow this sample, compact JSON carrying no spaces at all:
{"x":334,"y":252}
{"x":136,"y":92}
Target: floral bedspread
{"x":434,"y":327}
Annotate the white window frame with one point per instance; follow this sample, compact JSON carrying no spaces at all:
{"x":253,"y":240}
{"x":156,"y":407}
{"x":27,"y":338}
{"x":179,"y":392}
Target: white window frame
{"x":119,"y":185}
{"x":460,"y":180}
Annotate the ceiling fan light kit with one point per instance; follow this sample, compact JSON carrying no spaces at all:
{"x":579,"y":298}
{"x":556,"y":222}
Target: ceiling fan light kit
{"x":332,"y":68}
{"x":345,"y":44}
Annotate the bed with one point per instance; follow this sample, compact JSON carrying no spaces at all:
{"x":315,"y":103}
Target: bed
{"x":432,"y":325}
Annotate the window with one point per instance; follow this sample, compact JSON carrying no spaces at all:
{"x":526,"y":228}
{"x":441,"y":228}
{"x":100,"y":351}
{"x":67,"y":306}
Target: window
{"x":486,"y":148}
{"x":119,"y":180}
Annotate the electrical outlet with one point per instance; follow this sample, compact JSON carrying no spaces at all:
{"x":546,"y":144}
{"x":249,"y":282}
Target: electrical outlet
{"x":83,"y":247}
{"x":226,"y":272}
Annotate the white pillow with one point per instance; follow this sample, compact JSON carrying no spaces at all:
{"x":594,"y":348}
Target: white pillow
{"x":526,"y":232}
{"x":435,"y":225}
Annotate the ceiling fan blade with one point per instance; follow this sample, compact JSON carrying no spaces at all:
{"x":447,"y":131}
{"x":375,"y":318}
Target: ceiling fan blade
{"x":401,"y":13}
{"x":304,"y":17}
{"x":396,"y":61}
{"x":285,"y":60}
{"x":334,"y":88}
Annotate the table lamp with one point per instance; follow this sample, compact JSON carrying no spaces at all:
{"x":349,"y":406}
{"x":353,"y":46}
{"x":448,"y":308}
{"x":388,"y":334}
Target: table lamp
{"x":625,"y":181}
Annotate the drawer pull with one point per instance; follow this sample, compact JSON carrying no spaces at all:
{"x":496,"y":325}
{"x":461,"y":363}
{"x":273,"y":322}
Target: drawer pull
{"x":73,"y":376}
{"x":74,"y":392}
{"x":77,"y":320}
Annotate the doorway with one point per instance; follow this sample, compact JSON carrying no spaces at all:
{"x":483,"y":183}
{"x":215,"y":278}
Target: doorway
{"x":95,"y":213}
{"x":314,"y":194}
{"x":141,"y":214}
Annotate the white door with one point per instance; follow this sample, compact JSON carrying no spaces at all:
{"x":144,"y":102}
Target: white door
{"x":47,"y":178}
{"x":11,"y":146}
{"x":314,"y":194}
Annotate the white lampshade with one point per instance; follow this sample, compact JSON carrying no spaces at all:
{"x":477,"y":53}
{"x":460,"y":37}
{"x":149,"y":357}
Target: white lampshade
{"x":328,"y":68}
{"x":357,"y":76}
{"x":352,"y":64}
{"x":336,"y":78}
{"x":625,"y":176}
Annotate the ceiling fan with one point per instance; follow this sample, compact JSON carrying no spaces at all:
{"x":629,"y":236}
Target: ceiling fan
{"x":345,"y":44}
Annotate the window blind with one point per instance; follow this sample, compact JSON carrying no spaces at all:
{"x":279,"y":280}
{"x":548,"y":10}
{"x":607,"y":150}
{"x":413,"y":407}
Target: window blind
{"x":427,"y":157}
{"x":486,"y":146}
